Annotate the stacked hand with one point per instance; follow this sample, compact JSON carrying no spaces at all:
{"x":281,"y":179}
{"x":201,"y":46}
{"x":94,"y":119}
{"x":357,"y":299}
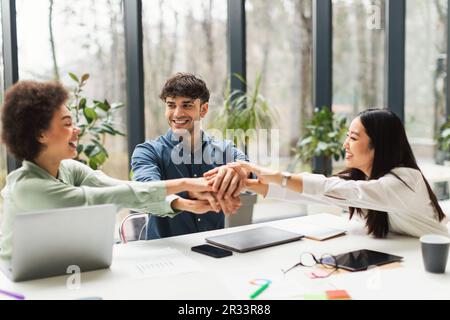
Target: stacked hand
{"x":203,"y":199}
{"x":240,"y":178}
{"x":221,"y":187}
{"x":227,"y":181}
{"x":229,"y":206}
{"x":242,"y":170}
{"x":227,"y":184}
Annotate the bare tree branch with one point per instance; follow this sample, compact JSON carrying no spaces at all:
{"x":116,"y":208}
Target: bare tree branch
{"x":52,"y":42}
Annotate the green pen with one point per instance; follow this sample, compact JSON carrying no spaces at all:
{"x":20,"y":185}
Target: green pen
{"x":260,"y":290}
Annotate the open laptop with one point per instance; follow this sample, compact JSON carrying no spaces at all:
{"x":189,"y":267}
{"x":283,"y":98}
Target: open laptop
{"x":56,"y":242}
{"x":254,"y":239}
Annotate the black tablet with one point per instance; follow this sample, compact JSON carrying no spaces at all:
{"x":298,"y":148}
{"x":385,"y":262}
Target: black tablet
{"x":362,"y":259}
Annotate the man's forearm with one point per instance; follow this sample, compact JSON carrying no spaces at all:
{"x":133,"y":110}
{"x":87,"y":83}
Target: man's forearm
{"x":176,"y":186}
{"x":180,"y":204}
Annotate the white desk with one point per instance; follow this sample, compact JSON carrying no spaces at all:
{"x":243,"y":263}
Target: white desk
{"x":224,"y":278}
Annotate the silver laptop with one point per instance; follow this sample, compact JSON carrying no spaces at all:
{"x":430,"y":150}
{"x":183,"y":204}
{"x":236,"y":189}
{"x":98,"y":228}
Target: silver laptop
{"x":56,"y":242}
{"x":254,"y":239}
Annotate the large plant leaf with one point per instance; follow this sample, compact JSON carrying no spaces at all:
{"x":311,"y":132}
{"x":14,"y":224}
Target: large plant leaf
{"x":116,"y":106}
{"x":82,"y":104}
{"x":92,"y":150}
{"x":85,"y":77}
{"x":90,"y":114}
{"x":102,"y":148}
{"x":305,"y":142}
{"x":74,"y":77}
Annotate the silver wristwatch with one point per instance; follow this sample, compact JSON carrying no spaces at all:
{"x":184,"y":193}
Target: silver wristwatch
{"x":286,"y":177}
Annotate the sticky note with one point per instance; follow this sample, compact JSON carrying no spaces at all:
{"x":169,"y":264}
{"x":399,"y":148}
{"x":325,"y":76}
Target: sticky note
{"x":317,"y":296}
{"x":338,"y":295}
{"x":318,"y":273}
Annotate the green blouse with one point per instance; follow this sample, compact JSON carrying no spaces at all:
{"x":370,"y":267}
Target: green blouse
{"x":32,"y":188}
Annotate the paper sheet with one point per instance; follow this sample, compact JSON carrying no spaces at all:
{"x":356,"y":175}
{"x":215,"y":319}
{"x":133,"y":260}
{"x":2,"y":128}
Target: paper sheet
{"x":165,"y":262}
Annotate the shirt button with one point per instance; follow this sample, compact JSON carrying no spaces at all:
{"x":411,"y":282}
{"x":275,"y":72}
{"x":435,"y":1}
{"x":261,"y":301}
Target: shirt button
{"x":195,"y":176}
{"x":199,"y":220}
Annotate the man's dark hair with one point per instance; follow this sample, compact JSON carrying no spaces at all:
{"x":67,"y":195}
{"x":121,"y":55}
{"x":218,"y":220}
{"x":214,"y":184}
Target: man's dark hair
{"x":185,"y":85}
{"x":27,"y":112}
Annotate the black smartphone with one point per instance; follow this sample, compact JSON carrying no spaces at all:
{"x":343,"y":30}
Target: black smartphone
{"x":212,"y":251}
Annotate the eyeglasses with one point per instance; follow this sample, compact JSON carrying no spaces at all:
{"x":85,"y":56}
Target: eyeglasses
{"x":307,"y":259}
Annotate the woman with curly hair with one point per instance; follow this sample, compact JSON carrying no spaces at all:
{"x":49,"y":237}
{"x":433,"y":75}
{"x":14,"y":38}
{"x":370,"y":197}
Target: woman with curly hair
{"x":38,"y":129}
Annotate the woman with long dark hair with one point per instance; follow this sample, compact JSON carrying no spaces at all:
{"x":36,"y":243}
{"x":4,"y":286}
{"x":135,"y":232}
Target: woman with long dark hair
{"x":382,"y":182}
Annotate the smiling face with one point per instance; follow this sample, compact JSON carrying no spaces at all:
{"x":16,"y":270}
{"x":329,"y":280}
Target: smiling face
{"x":359,"y":152}
{"x":61,"y":138}
{"x":183,"y":112}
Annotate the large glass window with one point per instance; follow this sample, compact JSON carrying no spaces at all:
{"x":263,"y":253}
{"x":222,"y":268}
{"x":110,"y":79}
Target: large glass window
{"x":426,"y":48}
{"x":358,"y":55}
{"x":3,"y":166}
{"x":56,"y":37}
{"x":279,"y":47}
{"x":183,"y":36}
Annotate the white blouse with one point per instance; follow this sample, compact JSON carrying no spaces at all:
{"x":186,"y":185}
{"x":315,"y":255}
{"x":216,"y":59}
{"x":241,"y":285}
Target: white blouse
{"x":410,"y":211}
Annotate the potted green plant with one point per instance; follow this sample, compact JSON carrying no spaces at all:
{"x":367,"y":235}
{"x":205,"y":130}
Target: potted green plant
{"x":322,"y":142}
{"x":244,"y":111}
{"x":95,"y":120}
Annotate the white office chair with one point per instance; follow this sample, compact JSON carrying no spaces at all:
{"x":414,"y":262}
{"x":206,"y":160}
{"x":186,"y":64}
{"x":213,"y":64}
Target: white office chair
{"x":133,"y":227}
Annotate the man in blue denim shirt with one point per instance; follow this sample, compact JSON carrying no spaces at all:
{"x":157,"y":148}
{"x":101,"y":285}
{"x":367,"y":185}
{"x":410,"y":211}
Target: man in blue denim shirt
{"x":186,"y":151}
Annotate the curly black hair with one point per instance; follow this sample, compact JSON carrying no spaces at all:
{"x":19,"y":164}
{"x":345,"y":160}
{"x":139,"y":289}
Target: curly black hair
{"x":27,"y":111}
{"x":185,"y":85}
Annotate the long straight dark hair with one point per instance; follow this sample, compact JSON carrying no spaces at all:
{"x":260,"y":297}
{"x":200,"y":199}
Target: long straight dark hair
{"x":391,"y":150}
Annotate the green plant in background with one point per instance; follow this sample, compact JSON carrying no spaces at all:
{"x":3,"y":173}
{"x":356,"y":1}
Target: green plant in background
{"x":444,"y":137}
{"x":323,"y":139}
{"x":95,"y":120}
{"x":443,"y":143}
{"x":244,"y":110}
